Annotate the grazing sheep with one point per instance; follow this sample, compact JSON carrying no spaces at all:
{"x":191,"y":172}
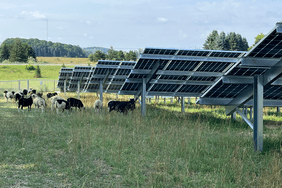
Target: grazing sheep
{"x":62,"y":104}
{"x":18,"y":95}
{"x":75,"y":103}
{"x":49,"y":95}
{"x":98,"y":105}
{"x":32,"y":91}
{"x":112,"y":105}
{"x":9,"y":95}
{"x":54,"y":99}
{"x":25,"y":103}
{"x":121,"y":106}
{"x":38,"y":102}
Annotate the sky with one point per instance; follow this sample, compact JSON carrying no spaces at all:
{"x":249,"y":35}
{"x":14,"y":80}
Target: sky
{"x":133,"y":24}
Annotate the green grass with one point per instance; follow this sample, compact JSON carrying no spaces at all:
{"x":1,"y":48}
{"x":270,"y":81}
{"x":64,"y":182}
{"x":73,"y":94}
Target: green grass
{"x":16,"y":72}
{"x":201,"y":148}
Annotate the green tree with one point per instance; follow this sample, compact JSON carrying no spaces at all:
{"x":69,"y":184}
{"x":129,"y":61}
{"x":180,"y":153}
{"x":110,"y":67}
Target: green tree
{"x":37,"y":72}
{"x":112,"y":54}
{"x":131,"y":56}
{"x":98,"y":55}
{"x":120,"y":55}
{"x":210,"y":41}
{"x":220,"y":42}
{"x":18,"y":53}
{"x":232,"y":41}
{"x":4,"y":52}
{"x":257,"y":39}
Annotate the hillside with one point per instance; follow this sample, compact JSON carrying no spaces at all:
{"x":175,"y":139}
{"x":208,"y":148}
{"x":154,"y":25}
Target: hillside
{"x":90,"y":50}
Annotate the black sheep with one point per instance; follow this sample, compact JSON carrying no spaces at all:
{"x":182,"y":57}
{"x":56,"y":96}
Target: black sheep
{"x":75,"y":103}
{"x":25,"y":103}
{"x":49,"y":95}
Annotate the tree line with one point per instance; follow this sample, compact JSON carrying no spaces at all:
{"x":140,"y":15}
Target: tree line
{"x":49,"y":49}
{"x":231,"y":41}
{"x":113,"y":55}
{"x":17,"y":51}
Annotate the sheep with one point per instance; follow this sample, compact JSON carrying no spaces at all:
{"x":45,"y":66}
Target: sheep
{"x":38,"y":102}
{"x":62,"y":104}
{"x":25,"y":102}
{"x":112,"y":105}
{"x":54,"y":99}
{"x":75,"y":103}
{"x":49,"y":95}
{"x":9,"y":95}
{"x":32,"y":91}
{"x":121,"y":106}
{"x":98,"y":105}
{"x":18,"y":95}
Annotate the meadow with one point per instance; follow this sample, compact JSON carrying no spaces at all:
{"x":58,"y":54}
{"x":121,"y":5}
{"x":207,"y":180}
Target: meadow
{"x":200,"y":148}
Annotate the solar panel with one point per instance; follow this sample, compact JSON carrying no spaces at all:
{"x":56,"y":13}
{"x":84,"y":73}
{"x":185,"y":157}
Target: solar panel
{"x":80,"y":76}
{"x":237,"y":83}
{"x":111,"y":73}
{"x":65,"y":74}
{"x":171,"y":72}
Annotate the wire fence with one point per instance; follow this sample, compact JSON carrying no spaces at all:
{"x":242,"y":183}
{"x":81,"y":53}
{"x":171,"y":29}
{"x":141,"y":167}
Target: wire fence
{"x":39,"y":85}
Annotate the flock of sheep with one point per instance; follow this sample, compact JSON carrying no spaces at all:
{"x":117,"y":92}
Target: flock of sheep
{"x":29,"y":97}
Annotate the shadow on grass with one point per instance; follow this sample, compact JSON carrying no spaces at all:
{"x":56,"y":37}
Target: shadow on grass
{"x":205,"y":116}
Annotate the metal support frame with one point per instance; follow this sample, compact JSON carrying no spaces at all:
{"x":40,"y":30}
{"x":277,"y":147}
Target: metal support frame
{"x":101,"y":90}
{"x":143,"y":98}
{"x":258,"y":113}
{"x":27,"y":84}
{"x":65,"y":87}
{"x":78,"y":90}
{"x":233,"y":116}
{"x":19,"y":85}
{"x":182,"y":105}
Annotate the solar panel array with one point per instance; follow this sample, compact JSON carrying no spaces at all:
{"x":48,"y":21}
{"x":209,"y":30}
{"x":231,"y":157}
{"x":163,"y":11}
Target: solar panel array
{"x":174,"y":72}
{"x":65,"y":74}
{"x":263,"y":59}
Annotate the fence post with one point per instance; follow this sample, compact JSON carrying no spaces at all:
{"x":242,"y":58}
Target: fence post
{"x":65,"y":86}
{"x":27,"y":84}
{"x":19,"y":85}
{"x":54,"y":84}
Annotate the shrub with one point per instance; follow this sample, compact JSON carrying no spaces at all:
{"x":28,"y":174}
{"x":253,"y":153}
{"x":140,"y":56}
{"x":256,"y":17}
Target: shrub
{"x":38,"y":72}
{"x":30,"y":67}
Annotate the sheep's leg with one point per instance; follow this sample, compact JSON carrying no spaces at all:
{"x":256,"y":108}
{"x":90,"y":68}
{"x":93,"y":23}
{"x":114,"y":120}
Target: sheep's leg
{"x":57,"y":110}
{"x":42,"y":108}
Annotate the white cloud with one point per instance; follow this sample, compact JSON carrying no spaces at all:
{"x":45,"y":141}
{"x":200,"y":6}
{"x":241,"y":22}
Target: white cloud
{"x":162,"y":19}
{"x":33,"y":15}
{"x":182,"y":34}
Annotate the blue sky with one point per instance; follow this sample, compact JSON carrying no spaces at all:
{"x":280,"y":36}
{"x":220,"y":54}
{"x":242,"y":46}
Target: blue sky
{"x":133,"y":24}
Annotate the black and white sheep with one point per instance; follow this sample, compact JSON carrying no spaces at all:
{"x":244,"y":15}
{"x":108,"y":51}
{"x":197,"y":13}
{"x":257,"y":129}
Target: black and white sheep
{"x":9,"y":95}
{"x":38,"y":102}
{"x":25,"y":103}
{"x":62,"y":104}
{"x":98,"y":105}
{"x":49,"y":95}
{"x":54,"y":99}
{"x":18,"y":95}
{"x":75,"y":103}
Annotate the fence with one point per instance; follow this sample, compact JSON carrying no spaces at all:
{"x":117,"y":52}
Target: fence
{"x":40,"y":85}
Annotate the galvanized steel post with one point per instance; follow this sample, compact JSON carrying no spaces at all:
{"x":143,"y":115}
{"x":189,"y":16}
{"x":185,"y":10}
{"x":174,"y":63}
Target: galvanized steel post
{"x":143,"y":98}
{"x":258,"y":113}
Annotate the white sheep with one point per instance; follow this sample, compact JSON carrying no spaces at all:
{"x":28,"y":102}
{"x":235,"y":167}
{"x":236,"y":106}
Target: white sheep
{"x":38,"y":102}
{"x":62,"y":104}
{"x":9,"y":95}
{"x":98,"y":105}
{"x":54,"y":99}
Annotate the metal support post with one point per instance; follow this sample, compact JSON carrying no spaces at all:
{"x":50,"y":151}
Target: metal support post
{"x":143,"y":98}
{"x":251,"y":114}
{"x":78,"y":90}
{"x":171,"y":100}
{"x":233,"y":116}
{"x":189,"y":100}
{"x":65,"y":87}
{"x":164,"y":100}
{"x":182,"y":105}
{"x":101,"y":90}
{"x":278,"y":109}
{"x":258,"y":113}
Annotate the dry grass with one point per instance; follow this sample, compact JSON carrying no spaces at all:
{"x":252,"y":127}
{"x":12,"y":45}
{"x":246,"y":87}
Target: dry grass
{"x":65,"y":60}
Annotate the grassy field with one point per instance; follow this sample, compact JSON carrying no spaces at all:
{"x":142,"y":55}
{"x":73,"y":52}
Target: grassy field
{"x":64,"y":60}
{"x":201,"y":148}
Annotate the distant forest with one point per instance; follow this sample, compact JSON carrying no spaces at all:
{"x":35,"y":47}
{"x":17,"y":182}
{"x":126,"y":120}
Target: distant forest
{"x":92,"y":50}
{"x":49,"y":49}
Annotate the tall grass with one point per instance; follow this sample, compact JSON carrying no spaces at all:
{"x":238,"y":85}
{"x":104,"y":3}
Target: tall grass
{"x":200,"y":148}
